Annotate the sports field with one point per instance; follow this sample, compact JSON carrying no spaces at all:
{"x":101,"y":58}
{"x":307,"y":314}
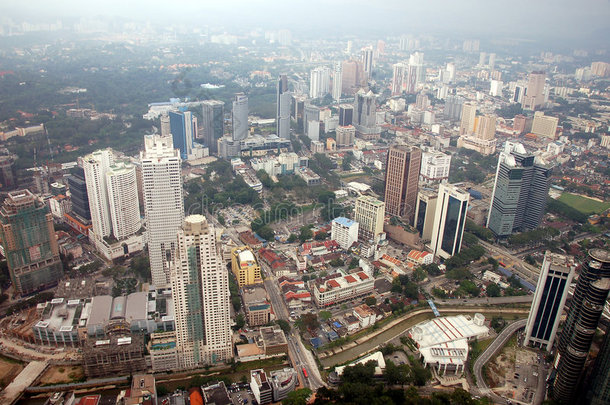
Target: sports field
{"x":584,"y":204}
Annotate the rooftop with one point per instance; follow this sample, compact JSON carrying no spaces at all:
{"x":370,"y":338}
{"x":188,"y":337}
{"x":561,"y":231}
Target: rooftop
{"x":344,"y":221}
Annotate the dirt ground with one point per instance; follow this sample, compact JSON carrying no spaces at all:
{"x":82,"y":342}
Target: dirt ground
{"x":8,"y":370}
{"x":62,"y":374}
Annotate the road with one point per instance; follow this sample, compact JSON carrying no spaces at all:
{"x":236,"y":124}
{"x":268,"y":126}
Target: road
{"x":518,"y":299}
{"x":528,"y":272}
{"x":493,"y":348}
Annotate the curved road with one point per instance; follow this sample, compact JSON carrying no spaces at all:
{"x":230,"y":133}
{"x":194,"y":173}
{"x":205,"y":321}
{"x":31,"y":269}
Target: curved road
{"x":493,"y":348}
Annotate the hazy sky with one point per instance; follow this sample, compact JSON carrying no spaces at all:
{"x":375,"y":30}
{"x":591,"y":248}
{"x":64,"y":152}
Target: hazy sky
{"x":517,"y":18}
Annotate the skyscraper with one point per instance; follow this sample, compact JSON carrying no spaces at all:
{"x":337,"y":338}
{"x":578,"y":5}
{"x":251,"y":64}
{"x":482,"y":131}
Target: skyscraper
{"x":96,"y":166}
{"x":467,"y":124}
{"x":163,"y":202}
{"x":449,"y":220}
{"x":319,"y":82}
{"x":283,"y":100}
{"x":401,"y":180}
{"x":424,"y":213}
{"x":586,"y":309}
{"x":78,"y":194}
{"x":352,"y":76}
{"x":367,"y":61}
{"x":123,"y":199}
{"x":239,"y":117}
{"x":183,"y":127}
{"x":550,"y":296}
{"x":337,"y":81}
{"x":534,"y":93}
{"x":369,"y":212}
{"x":213,"y":123}
{"x":453,"y":108}
{"x":30,"y":245}
{"x":365,"y":109}
{"x":599,"y":392}
{"x":520,"y":191}
{"x":346,"y":115}
{"x":399,"y":75}
{"x":200,"y":289}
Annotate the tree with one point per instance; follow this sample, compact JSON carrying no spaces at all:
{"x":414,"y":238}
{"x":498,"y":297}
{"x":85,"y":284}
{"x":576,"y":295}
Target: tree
{"x":221,"y":220}
{"x":359,"y":373}
{"x":493,"y":290}
{"x":325,"y":315}
{"x":298,"y":397}
{"x":284,"y":325}
{"x":240,"y":321}
{"x":305,"y":234}
{"x":394,"y":374}
{"x":292,"y":238}
{"x":370,"y":301}
{"x":321,"y":236}
{"x":355,"y":262}
{"x":338,"y":262}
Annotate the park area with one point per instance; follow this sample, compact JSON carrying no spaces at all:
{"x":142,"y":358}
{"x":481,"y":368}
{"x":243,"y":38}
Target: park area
{"x":583,"y":204}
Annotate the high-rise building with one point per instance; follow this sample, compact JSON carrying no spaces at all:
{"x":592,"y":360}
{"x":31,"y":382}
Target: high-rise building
{"x":369,"y":212}
{"x":183,"y":127}
{"x":245,"y":267}
{"x":352,"y":76}
{"x":165,"y":126}
{"x":345,"y":136}
{"x":449,"y":221}
{"x":346,"y":115}
{"x":29,"y":242}
{"x":485,"y":127}
{"x":520,"y":191}
{"x":337,"y":81}
{"x":467,"y":124}
{"x":344,"y":231}
{"x":550,"y":296}
{"x":163,"y":202}
{"x":402,"y":180}
{"x":213,"y":123}
{"x":367,"y":61}
{"x":435,"y":166}
{"x":586,"y":308}
{"x":123,"y":200}
{"x":78,"y":194}
{"x":399,"y":75}
{"x":544,"y":125}
{"x":534,"y":94}
{"x":200,"y":290}
{"x":319,"y":82}
{"x":365,"y":109}
{"x":453,"y":108}
{"x":424,"y":213}
{"x":239,"y":117}
{"x":599,"y":388}
{"x":416,"y":73}
{"x":96,"y":166}
{"x":283,"y":101}
{"x":7,"y":170}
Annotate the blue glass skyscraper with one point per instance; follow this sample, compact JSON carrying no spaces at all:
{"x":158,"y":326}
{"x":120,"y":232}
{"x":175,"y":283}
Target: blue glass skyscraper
{"x":183,"y":128}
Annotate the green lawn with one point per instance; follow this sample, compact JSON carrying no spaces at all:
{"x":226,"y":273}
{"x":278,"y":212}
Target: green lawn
{"x":584,"y":204}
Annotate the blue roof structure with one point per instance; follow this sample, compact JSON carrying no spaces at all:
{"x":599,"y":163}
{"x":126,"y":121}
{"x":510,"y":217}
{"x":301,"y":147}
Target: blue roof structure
{"x":344,"y":221}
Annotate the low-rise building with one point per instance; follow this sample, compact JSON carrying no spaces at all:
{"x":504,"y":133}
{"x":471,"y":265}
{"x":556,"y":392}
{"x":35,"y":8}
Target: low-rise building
{"x":309,"y":176}
{"x":420,"y":258}
{"x":283,"y":382}
{"x":245,"y":267}
{"x":344,"y":231}
{"x":216,"y":394}
{"x":338,"y":288}
{"x":365,"y":315}
{"x":260,"y":386}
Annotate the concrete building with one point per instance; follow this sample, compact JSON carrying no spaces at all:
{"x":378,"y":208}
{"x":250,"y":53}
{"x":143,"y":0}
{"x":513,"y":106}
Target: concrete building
{"x":434,"y":166}
{"x":163,"y":202}
{"x":162,"y":351}
{"x":283,"y":101}
{"x":365,"y":115}
{"x":399,"y":75}
{"x":369,"y":212}
{"x":453,"y":108}
{"x":339,"y":289}
{"x":123,"y":200}
{"x":346,"y":115}
{"x":200,"y":288}
{"x":425,"y":212}
{"x":549,"y":298}
{"x":95,"y":166}
{"x":261,"y":387}
{"x":344,"y":231}
{"x":213,"y":123}
{"x":543,"y":125}
{"x":283,"y":382}
{"x":586,"y":308}
{"x":367,"y":61}
{"x":116,"y":356}
{"x":245,"y":267}
{"x":402,"y":180}
{"x":30,"y":245}
{"x":239,"y":117}
{"x":337,"y":81}
{"x":520,"y":191}
{"x":353,"y":76}
{"x":449,"y":221}
{"x":495,"y":88}
{"x":319,"y":82}
{"x":534,"y":94}
{"x":345,"y":136}
{"x":467,"y":123}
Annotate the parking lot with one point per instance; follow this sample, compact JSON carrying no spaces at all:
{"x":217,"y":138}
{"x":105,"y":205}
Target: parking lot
{"x":241,"y":394}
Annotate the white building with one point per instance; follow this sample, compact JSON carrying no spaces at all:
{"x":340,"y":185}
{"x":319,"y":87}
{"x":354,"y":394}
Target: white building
{"x":495,"y":89}
{"x":337,"y":81}
{"x":345,"y":136}
{"x":434,"y":166}
{"x":449,"y":221}
{"x":543,"y":125}
{"x":319,"y":82}
{"x":369,"y":212}
{"x":365,"y":315}
{"x":344,"y":288}
{"x":344,"y":231}
{"x":200,"y":289}
{"x":123,"y":199}
{"x":163,"y":201}
{"x":95,"y":166}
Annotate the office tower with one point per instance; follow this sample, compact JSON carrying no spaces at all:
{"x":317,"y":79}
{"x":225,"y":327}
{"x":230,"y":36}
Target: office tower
{"x":78,"y":194}
{"x":424,"y":213}
{"x":352,"y":76}
{"x":95,"y":166}
{"x":344,"y":231}
{"x":183,"y":128}
{"x":482,"y":58}
{"x":283,"y":104}
{"x":492,"y":61}
{"x":550,"y":296}
{"x":582,"y":320}
{"x":213,"y":123}
{"x":337,"y":81}
{"x":165,"y":126}
{"x":435,"y":166}
{"x":543,"y":125}
{"x":367,"y":61}
{"x":319,"y":82}
{"x":453,"y":108}
{"x":369,"y":212}
{"x":239,"y":117}
{"x":297,"y":111}
{"x":123,"y":200}
{"x":495,"y":88}
{"x":200,"y":290}
{"x":416,"y":73}
{"x":365,"y":109}
{"x":163,"y":202}
{"x":467,"y":124}
{"x":450,"y":69}
{"x":449,"y":221}
{"x":522,"y":124}
{"x":534,"y":94}
{"x":401,"y":180}
{"x":244,"y":266}
{"x":311,"y":118}
{"x":29,"y":242}
{"x":7,"y":170}
{"x":346,"y":115}
{"x":345,"y":136}
{"x":399,"y":74}
{"x":485,"y":127}
{"x":599,"y":392}
{"x":520,"y":192}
